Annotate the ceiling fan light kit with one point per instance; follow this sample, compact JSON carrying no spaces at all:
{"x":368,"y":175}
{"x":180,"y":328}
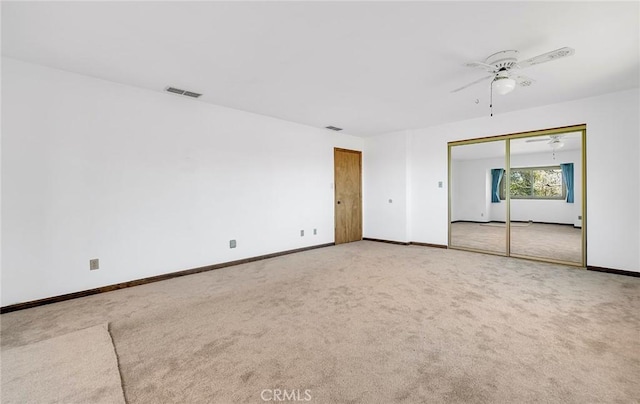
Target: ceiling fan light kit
{"x":556,"y":144}
{"x":504,"y":85}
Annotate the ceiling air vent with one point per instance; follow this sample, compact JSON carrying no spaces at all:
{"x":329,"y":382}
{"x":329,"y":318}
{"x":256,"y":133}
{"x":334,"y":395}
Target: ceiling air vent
{"x":182,"y":92}
{"x":333,"y":128}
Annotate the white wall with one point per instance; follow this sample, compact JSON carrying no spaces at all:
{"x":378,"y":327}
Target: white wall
{"x":147,"y":182}
{"x":386,"y":161}
{"x":613,"y":168}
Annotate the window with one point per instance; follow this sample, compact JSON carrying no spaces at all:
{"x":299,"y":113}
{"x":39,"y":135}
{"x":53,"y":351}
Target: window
{"x":535,"y":183}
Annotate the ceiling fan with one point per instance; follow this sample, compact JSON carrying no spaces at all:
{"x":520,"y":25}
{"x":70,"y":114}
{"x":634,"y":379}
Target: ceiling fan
{"x":554,"y":141}
{"x":503,"y":67}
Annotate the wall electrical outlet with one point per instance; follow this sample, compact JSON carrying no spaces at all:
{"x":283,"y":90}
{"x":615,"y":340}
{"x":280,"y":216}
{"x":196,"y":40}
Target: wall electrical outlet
{"x":579,"y":217}
{"x":315,"y":231}
{"x":232,"y":244}
{"x":301,"y":233}
{"x":94,"y":264}
{"x":439,"y":184}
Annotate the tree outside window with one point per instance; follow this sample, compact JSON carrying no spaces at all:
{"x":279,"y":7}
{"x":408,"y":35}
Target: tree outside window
{"x":535,"y":183}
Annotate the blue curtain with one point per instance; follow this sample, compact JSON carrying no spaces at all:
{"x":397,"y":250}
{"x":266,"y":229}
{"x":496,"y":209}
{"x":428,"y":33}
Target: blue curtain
{"x":496,"y":176}
{"x":567,"y":175}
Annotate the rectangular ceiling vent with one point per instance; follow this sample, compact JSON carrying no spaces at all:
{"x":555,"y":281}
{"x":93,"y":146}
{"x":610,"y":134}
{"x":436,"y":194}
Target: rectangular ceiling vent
{"x":182,"y":92}
{"x":333,"y":128}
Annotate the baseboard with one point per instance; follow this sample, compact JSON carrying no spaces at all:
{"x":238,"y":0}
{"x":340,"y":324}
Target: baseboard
{"x":158,"y":278}
{"x":429,"y":245}
{"x":614,"y":271}
{"x":385,"y":241}
{"x":558,"y":224}
{"x":406,"y":243}
{"x":515,"y":221}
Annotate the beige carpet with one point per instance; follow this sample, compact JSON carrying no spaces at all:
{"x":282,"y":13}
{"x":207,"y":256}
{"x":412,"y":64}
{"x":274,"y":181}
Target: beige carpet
{"x":79,"y":367}
{"x":367,"y":322}
{"x":553,"y":241}
{"x":550,"y":241}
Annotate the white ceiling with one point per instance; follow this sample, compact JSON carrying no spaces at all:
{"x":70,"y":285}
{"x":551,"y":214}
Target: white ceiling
{"x":367,"y":67}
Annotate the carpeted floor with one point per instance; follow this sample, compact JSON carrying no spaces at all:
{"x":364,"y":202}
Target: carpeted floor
{"x":366,"y":322}
{"x":551,"y":241}
{"x":79,"y":367}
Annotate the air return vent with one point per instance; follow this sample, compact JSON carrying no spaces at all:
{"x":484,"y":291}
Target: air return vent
{"x":182,"y":92}
{"x":333,"y":128}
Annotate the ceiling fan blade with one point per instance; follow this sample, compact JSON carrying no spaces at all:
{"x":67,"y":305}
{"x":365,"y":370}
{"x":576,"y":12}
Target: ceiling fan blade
{"x":547,"y":57}
{"x":524,"y":81}
{"x":537,"y":140}
{"x":483,"y":66}
{"x":470,"y":84}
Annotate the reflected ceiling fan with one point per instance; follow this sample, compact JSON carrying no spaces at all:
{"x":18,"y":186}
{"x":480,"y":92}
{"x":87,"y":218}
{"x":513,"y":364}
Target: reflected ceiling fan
{"x":551,"y":139}
{"x":554,"y":141}
{"x":504,"y":66}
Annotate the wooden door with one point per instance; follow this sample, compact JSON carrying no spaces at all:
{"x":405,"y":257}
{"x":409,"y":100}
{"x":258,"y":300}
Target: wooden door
{"x":348,"y":195}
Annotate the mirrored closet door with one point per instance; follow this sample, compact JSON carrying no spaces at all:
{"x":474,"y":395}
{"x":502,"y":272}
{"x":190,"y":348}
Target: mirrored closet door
{"x":545,"y":183}
{"x":520,"y":195}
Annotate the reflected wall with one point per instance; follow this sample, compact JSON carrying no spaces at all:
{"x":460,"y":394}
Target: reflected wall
{"x":472,"y":210}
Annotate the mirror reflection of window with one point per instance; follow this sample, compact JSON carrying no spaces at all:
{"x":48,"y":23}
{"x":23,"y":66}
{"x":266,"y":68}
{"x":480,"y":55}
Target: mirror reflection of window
{"x":535,"y":183}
